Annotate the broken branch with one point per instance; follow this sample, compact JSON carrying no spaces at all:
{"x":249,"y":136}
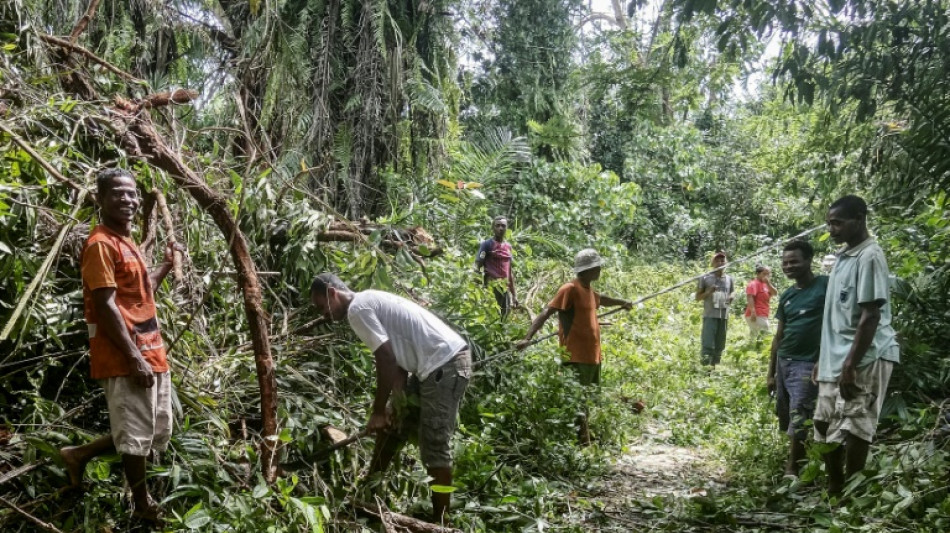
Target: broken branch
{"x":66,"y":45}
{"x":169,"y":232}
{"x":412,"y":524}
{"x":83,"y":21}
{"x":36,"y":521}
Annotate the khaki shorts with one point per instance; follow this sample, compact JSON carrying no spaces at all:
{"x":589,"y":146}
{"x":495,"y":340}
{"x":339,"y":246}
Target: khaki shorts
{"x":140,"y":419}
{"x":759,"y":324}
{"x":433,"y":408}
{"x":859,"y":415}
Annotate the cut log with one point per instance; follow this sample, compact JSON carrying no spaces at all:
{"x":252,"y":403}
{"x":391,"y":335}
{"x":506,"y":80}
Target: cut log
{"x":334,"y":435}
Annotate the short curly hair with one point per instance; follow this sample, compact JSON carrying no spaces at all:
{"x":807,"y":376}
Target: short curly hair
{"x":851,"y":206}
{"x":106,"y":178}
{"x":808,"y":252}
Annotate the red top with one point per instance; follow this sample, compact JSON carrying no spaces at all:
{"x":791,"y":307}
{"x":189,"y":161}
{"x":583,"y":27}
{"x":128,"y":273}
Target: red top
{"x":110,"y":260}
{"x":758,"y":292}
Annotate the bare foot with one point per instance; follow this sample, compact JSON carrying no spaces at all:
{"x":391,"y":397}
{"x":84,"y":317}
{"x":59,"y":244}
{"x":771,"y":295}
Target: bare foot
{"x":74,"y":466}
{"x":150,"y":513}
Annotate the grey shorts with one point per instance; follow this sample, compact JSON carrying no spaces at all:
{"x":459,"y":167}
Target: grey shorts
{"x":859,"y":415}
{"x":140,"y":419}
{"x":795,"y":396}
{"x":437,"y":408}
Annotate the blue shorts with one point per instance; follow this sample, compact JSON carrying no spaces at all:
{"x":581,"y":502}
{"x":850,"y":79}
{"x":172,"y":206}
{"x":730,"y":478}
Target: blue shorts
{"x":795,"y":396}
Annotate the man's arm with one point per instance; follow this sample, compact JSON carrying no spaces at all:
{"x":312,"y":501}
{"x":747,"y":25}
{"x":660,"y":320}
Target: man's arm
{"x":535,"y":327}
{"x":703,"y":291}
{"x":511,"y":285}
{"x":867,"y":326}
{"x":112,"y":326}
{"x":750,"y":303}
{"x":773,"y":358}
{"x":607,"y":301}
{"x":390,"y":378}
{"x":157,"y":275}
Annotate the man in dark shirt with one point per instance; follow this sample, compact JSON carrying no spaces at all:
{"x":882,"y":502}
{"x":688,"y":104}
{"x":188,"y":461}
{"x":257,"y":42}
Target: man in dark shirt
{"x":795,"y":348}
{"x":494,"y":257}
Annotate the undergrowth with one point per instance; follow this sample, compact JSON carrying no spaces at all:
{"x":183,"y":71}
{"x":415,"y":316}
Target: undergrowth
{"x":518,"y":463}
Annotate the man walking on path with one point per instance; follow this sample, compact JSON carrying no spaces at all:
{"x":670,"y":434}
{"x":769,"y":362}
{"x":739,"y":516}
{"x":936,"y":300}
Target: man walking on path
{"x":715,"y":290}
{"x":795,"y":348}
{"x":126,"y":353}
{"x":405,"y":339}
{"x":494,"y":256}
{"x":858,"y":345}
{"x":576,"y":305}
{"x":759,"y":292}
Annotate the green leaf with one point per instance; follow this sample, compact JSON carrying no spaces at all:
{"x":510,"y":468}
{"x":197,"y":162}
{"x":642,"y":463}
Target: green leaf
{"x":260,"y":491}
{"x":285,"y":435}
{"x":197,"y":517}
{"x":102,"y":470}
{"x":443,"y":489}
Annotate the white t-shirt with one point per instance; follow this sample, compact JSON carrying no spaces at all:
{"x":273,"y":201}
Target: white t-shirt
{"x":421,"y":342}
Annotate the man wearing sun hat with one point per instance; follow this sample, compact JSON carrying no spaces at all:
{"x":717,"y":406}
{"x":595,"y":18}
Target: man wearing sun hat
{"x":715,"y":290}
{"x":576,"y":304}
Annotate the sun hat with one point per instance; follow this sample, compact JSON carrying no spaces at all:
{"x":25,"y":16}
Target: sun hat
{"x":587,"y":259}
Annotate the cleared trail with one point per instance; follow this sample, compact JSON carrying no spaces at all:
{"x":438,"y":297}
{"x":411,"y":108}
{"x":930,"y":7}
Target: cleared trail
{"x":650,"y":476}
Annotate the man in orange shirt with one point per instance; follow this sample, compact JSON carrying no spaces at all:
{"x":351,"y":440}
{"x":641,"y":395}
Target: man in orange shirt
{"x":576,"y":304}
{"x":126,"y":353}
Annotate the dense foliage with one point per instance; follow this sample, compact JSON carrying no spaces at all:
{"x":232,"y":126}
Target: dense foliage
{"x":377,"y":139}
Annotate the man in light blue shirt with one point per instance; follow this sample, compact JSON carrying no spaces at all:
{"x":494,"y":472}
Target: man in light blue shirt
{"x":858,"y":344}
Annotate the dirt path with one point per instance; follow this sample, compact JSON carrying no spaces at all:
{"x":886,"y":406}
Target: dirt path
{"x":651,"y":476}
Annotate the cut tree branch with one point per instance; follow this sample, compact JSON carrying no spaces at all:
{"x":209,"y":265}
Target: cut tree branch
{"x":406,"y":522}
{"x":66,"y":45}
{"x":83,"y":21}
{"x":169,"y":232}
{"x":17,"y":472}
{"x":46,"y":526}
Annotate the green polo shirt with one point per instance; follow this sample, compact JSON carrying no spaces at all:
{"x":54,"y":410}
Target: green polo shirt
{"x":860,"y":275}
{"x":800,"y":311}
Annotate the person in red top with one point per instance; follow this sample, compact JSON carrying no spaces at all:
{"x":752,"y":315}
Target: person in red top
{"x":494,"y":256}
{"x":576,"y":304}
{"x":758,"y":293}
{"x":126,"y":352}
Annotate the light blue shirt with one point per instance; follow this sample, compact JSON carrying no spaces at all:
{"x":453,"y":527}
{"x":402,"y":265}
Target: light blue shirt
{"x":859,"y":276}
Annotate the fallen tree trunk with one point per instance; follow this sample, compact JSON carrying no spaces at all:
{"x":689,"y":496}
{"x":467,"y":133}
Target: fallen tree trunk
{"x":416,"y":240}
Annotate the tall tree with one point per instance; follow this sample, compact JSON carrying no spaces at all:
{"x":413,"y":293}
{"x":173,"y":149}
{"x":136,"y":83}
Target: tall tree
{"x":527,"y":76}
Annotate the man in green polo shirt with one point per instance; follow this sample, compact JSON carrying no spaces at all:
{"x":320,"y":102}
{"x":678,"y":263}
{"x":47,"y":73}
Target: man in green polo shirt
{"x":858,"y":345}
{"x":795,"y":348}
